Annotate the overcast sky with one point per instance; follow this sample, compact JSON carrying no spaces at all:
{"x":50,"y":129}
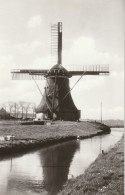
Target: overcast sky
{"x":92,"y":34}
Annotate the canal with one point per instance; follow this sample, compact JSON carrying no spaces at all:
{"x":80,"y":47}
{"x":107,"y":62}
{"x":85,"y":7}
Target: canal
{"x":46,"y":170}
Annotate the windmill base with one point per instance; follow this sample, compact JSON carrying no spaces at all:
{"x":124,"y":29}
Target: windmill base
{"x":64,"y":116}
{"x":69,"y":116}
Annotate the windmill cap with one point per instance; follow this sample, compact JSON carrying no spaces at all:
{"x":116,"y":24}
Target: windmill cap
{"x":59,"y":69}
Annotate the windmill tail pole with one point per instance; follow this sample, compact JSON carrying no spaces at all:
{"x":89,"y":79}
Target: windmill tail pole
{"x":59,"y":42}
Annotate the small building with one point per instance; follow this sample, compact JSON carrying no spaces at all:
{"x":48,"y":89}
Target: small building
{"x":4,"y":114}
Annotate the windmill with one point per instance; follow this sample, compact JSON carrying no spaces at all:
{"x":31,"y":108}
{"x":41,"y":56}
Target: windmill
{"x":57,"y":102}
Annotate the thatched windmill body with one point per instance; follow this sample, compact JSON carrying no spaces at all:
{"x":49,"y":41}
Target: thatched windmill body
{"x":57,"y":102}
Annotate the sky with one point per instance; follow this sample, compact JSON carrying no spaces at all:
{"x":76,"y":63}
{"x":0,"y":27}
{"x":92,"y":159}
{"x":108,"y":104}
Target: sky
{"x":92,"y":34}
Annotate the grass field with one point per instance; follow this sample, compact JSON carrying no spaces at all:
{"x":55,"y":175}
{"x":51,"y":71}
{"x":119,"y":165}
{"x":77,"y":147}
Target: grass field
{"x":31,"y":135}
{"x":104,"y":176}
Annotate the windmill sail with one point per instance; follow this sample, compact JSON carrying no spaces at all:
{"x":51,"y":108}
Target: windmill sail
{"x":28,"y":74}
{"x":91,"y":70}
{"x":56,"y":42}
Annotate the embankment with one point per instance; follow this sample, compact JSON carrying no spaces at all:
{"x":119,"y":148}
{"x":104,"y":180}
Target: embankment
{"x":30,"y":137}
{"x":104,"y":176}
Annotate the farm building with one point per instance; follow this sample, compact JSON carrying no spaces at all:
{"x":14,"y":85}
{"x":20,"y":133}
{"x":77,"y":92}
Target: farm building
{"x":4,"y":114}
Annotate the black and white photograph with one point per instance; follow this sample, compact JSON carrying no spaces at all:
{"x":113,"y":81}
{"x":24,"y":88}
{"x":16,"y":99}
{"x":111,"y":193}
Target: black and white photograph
{"x":61,"y":97}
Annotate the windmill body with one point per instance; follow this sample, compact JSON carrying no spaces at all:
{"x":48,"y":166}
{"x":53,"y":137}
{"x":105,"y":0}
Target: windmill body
{"x":57,"y":102}
{"x":54,"y":104}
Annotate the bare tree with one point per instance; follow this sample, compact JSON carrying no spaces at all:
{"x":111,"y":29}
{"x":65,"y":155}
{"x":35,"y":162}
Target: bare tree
{"x":17,"y":109}
{"x":27,"y":107}
{"x":33,"y":107}
{"x":22,"y":107}
{"x":10,"y":105}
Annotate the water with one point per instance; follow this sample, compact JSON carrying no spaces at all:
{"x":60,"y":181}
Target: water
{"x":46,"y":170}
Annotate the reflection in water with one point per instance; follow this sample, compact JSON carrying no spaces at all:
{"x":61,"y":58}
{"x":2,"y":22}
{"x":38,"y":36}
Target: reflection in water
{"x":43,"y":171}
{"x":56,"y":162}
{"x":46,"y":170}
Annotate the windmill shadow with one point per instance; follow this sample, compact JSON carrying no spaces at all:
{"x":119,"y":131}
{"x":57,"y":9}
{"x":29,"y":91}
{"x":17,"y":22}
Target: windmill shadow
{"x":56,"y":162}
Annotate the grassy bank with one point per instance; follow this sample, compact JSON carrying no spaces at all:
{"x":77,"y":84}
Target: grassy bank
{"x":104,"y":176}
{"x":114,"y":123}
{"x":31,"y":136}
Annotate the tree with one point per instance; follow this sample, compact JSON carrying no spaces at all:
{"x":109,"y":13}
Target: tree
{"x":22,"y":106}
{"x":33,"y":107}
{"x":17,"y":109}
{"x":27,"y":107}
{"x":10,"y":105}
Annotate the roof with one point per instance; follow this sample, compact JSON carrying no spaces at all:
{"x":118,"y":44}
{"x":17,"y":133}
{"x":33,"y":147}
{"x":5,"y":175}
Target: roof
{"x":3,"y":111}
{"x":58,"y":69}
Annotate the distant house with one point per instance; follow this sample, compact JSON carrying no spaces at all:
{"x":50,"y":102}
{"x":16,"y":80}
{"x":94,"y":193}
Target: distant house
{"x":4,"y":114}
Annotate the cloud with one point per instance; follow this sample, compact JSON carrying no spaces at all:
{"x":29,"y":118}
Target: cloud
{"x":28,"y":48}
{"x":84,"y":51}
{"x":35,"y":21}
